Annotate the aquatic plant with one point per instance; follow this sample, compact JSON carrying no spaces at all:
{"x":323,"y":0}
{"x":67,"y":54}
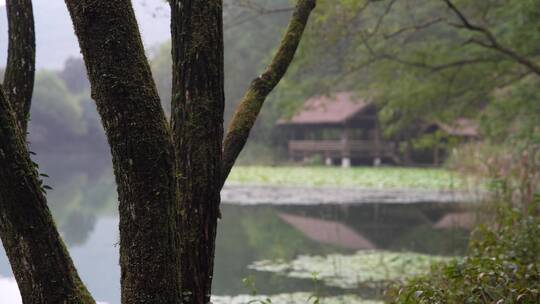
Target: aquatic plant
{"x":503,"y":266}
{"x":349,"y":271}
{"x":290,"y":298}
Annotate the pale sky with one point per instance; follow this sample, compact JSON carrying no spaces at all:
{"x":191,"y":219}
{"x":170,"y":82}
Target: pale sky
{"x":56,"y":39}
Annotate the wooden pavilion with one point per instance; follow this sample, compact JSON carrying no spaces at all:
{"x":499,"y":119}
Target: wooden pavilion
{"x":338,"y":127}
{"x":343,"y":128}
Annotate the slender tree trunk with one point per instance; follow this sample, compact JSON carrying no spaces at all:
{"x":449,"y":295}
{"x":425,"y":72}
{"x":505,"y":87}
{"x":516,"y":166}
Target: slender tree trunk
{"x":247,"y":112}
{"x":20,"y":68}
{"x":197,"y":122}
{"x":141,"y":147}
{"x":39,"y":260}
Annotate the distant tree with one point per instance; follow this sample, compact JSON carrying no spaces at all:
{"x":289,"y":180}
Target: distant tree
{"x":74,"y":75}
{"x":251,"y":30}
{"x":56,"y":112}
{"x":425,"y":60}
{"x":168,"y":175}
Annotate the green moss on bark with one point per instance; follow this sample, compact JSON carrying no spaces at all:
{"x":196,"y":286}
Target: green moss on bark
{"x":39,"y":260}
{"x":137,"y":132}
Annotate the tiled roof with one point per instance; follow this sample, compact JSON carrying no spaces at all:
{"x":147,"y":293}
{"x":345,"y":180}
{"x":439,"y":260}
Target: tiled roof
{"x":334,"y":109}
{"x":460,"y":127}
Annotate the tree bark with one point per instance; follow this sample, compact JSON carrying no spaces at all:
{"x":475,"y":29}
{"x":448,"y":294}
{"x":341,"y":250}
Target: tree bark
{"x":168,"y":181}
{"x":39,"y":260}
{"x":141,"y":147}
{"x":20,"y":67}
{"x":197,"y":122}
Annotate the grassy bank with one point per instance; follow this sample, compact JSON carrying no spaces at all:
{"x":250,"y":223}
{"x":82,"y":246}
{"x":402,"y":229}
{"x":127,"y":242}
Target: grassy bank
{"x":361,"y":177}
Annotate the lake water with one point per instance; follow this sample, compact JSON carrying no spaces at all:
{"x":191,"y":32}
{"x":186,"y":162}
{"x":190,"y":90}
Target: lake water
{"x":282,"y":250}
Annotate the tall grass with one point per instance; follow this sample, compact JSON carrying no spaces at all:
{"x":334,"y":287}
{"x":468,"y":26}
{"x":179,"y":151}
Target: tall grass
{"x":510,"y":172}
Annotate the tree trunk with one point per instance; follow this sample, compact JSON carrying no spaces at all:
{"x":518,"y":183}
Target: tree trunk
{"x":20,"y":68}
{"x":197,"y":122}
{"x":39,"y":260}
{"x":141,"y":147}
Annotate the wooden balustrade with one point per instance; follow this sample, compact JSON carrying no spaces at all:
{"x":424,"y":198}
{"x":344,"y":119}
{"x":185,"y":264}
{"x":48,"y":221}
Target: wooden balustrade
{"x":339,"y":148}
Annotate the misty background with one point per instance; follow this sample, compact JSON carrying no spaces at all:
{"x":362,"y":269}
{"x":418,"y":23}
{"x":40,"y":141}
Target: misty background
{"x":65,"y":131}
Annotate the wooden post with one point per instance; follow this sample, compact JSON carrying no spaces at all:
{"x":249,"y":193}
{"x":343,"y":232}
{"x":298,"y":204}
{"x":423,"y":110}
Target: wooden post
{"x":377,"y":144}
{"x":436,"y":153}
{"x":408,"y":151}
{"x":328,"y":160}
{"x":345,"y":148}
{"x":290,"y":135}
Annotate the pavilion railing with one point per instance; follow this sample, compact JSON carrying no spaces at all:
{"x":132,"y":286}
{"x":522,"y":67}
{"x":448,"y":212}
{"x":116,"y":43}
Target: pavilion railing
{"x":339,"y":148}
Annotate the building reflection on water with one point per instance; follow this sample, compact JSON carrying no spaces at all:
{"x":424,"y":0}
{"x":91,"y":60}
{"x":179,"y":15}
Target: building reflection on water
{"x":251,"y":233}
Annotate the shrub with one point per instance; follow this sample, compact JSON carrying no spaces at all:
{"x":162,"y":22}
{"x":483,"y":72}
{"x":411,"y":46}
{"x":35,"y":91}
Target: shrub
{"x":510,"y":172}
{"x":502,"y":266}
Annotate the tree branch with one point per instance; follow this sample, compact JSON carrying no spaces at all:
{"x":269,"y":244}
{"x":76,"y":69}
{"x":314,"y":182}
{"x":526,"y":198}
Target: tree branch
{"x":380,"y":19}
{"x":20,"y":68}
{"x":421,"y":64}
{"x":40,"y":262}
{"x":492,"y":42}
{"x":259,"y":11}
{"x":414,"y":27}
{"x":251,"y":104}
{"x":140,"y":141}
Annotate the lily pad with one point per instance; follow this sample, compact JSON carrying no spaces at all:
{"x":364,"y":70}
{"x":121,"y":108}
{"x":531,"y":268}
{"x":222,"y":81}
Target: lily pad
{"x":349,"y":271}
{"x":290,"y":298}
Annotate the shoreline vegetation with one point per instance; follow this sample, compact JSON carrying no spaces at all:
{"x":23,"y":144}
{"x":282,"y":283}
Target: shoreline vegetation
{"x":356,"y":177}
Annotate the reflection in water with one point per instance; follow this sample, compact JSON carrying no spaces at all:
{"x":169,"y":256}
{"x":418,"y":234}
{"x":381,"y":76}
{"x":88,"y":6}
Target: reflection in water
{"x":77,"y":227}
{"x":291,"y":298}
{"x":368,"y":268}
{"x":9,"y":293}
{"x":463,"y":220}
{"x":248,"y":234}
{"x":328,"y":232}
{"x":254,"y":233}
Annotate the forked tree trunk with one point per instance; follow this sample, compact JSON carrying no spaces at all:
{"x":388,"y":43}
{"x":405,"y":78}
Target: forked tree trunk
{"x":39,"y":260}
{"x":168,"y":176}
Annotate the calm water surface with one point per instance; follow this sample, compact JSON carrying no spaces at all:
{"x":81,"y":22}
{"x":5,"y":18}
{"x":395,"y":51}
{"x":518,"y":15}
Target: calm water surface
{"x":248,"y":234}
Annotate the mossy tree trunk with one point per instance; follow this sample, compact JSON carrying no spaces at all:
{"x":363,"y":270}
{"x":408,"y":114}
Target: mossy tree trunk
{"x":168,"y":175}
{"x":39,"y":260}
{"x":20,"y":67}
{"x":141,"y":147}
{"x":197,"y":107}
